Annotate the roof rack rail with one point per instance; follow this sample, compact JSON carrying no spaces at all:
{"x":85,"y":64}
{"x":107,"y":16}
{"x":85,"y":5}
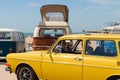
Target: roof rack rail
{"x":91,"y":31}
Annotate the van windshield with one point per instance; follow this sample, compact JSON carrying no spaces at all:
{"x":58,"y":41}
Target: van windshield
{"x":5,"y":35}
{"x":52,"y":32}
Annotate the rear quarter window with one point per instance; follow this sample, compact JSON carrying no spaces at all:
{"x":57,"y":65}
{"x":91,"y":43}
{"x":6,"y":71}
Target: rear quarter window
{"x":101,"y":48}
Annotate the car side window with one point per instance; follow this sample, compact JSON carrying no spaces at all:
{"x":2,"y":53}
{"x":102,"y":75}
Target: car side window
{"x":69,"y":47}
{"x":101,"y":48}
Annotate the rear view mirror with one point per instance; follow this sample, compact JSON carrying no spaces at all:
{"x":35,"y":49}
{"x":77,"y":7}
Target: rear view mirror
{"x":67,"y":41}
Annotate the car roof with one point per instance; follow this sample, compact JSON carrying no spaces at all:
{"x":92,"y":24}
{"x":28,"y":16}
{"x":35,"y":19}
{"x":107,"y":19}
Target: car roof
{"x":73,"y":36}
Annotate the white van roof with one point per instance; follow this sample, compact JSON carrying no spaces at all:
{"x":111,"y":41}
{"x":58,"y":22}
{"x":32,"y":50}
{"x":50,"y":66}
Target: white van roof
{"x":52,"y":23}
{"x":8,"y":30}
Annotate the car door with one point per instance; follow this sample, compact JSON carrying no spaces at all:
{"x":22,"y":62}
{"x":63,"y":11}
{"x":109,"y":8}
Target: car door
{"x":102,"y":62}
{"x":63,"y":65}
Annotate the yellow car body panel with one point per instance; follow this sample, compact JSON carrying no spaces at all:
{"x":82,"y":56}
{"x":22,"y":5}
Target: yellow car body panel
{"x":33,"y":59}
{"x":61,"y":66}
{"x":65,"y":62}
{"x":104,"y":67}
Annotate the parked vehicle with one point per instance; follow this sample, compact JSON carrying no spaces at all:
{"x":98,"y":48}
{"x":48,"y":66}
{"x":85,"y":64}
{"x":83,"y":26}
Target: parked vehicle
{"x":112,"y":28}
{"x":72,"y":57}
{"x":11,"y":41}
{"x":54,"y":24}
{"x":109,"y":28}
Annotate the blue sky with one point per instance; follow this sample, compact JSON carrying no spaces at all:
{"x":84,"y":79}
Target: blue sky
{"x":83,"y":14}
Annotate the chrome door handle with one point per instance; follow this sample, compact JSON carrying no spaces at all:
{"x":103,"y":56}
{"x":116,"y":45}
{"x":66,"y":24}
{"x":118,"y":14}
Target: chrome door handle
{"x":78,"y":58}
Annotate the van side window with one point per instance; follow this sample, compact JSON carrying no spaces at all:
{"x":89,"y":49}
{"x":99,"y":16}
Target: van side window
{"x":20,"y":35}
{"x":69,"y":47}
{"x":101,"y":48}
{"x":54,"y":16}
{"x":5,"y":35}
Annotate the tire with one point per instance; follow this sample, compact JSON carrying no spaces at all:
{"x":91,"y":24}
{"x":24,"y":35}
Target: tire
{"x":117,"y":79}
{"x":26,"y":73}
{"x":114,"y":78}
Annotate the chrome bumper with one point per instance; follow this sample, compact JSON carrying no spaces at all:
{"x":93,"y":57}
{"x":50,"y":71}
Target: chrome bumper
{"x":8,"y":69}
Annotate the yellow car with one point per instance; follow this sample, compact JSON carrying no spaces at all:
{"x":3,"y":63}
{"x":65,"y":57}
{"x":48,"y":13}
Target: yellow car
{"x":72,"y":57}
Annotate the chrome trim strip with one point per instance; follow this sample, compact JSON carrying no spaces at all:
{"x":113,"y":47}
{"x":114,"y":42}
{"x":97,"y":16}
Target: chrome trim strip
{"x":67,"y":63}
{"x":26,"y":59}
{"x":86,"y":65}
{"x":105,"y":67}
{"x":2,"y":58}
{"x":41,"y":46}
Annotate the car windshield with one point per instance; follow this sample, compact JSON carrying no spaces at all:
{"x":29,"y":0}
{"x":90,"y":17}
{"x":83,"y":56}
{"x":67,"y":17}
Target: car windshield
{"x":5,"y":35}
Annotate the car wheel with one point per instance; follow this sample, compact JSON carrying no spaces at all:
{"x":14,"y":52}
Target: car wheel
{"x":114,"y":78}
{"x":117,"y":79}
{"x":26,"y":73}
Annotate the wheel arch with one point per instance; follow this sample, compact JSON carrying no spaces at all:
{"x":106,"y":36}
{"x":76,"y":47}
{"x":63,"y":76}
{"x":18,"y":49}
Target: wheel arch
{"x":113,"y":77}
{"x":22,"y":65}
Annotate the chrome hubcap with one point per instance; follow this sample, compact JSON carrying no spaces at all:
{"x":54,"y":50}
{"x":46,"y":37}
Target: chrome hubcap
{"x":25,"y":74}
